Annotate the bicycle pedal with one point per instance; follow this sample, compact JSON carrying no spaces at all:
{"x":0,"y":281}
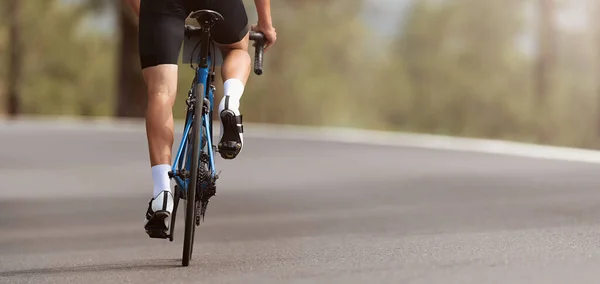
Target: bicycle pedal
{"x":157,"y":234}
{"x":157,"y":227}
{"x":228,"y":155}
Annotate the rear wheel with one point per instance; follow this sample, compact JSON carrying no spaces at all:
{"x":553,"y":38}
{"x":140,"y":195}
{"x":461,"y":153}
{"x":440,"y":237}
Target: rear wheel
{"x":190,"y":209}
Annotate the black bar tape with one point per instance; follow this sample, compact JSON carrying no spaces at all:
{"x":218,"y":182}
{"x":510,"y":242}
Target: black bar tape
{"x":259,"y":47}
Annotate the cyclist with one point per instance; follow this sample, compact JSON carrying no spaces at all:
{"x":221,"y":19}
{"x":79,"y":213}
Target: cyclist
{"x":161,"y":32}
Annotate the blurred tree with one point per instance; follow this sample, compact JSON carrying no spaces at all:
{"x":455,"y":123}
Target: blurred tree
{"x":596,"y":15}
{"x":66,"y":64}
{"x":570,"y":106}
{"x":15,"y":58}
{"x":4,"y":55}
{"x":132,"y":99}
{"x":547,"y":49}
{"x":131,"y":96}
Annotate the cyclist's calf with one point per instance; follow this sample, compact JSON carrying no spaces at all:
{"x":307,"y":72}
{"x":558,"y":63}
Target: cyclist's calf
{"x":236,"y":60}
{"x":161,"y":82}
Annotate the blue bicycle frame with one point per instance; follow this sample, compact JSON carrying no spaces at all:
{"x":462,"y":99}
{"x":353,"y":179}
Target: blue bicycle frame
{"x":184,"y":150}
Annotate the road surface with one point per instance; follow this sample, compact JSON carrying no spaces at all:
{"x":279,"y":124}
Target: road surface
{"x":73,"y":201}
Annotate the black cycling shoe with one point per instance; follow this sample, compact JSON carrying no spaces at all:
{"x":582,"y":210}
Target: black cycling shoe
{"x":157,"y":222}
{"x":231,"y":142}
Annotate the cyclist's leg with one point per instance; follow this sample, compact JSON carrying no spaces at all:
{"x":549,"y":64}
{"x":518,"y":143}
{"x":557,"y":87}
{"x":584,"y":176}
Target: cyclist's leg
{"x":235,"y":72}
{"x":161,"y":28}
{"x":232,"y":38}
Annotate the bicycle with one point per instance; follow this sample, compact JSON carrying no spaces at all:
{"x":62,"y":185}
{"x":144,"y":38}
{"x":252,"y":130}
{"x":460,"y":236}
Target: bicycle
{"x":196,"y":146}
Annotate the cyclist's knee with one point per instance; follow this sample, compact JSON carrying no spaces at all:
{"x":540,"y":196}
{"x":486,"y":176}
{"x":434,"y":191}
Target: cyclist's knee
{"x":161,"y":83}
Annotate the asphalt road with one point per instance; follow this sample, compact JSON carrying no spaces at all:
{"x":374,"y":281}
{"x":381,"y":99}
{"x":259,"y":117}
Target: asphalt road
{"x":73,"y":201}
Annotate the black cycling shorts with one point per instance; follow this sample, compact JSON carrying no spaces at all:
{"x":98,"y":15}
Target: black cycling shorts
{"x":162,"y":25}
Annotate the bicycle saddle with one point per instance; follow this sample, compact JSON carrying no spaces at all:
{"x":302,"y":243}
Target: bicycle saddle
{"x":207,"y":16}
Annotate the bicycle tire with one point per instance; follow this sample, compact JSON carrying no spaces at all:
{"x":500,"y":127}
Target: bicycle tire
{"x":190,"y":216}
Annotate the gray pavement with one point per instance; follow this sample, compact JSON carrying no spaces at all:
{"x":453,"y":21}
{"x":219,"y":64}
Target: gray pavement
{"x":73,"y":201}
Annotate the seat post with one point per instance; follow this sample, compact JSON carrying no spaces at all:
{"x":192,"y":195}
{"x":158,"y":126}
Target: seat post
{"x":207,"y":19}
{"x":204,"y":44}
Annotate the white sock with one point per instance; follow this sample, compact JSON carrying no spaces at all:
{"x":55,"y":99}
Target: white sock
{"x":160,"y":177}
{"x":232,"y":89}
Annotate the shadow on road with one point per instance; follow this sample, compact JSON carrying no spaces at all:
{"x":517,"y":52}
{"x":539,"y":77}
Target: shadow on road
{"x":165,"y":264}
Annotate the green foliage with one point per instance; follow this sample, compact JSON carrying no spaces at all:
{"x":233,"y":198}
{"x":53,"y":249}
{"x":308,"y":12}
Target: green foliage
{"x":459,"y":63}
{"x":467,"y":77}
{"x":318,"y":72}
{"x":65,"y":72}
{"x":453,"y":68}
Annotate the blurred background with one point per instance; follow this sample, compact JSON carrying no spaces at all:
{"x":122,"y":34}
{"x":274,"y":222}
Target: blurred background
{"x":520,"y":70}
{"x":293,"y":209}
